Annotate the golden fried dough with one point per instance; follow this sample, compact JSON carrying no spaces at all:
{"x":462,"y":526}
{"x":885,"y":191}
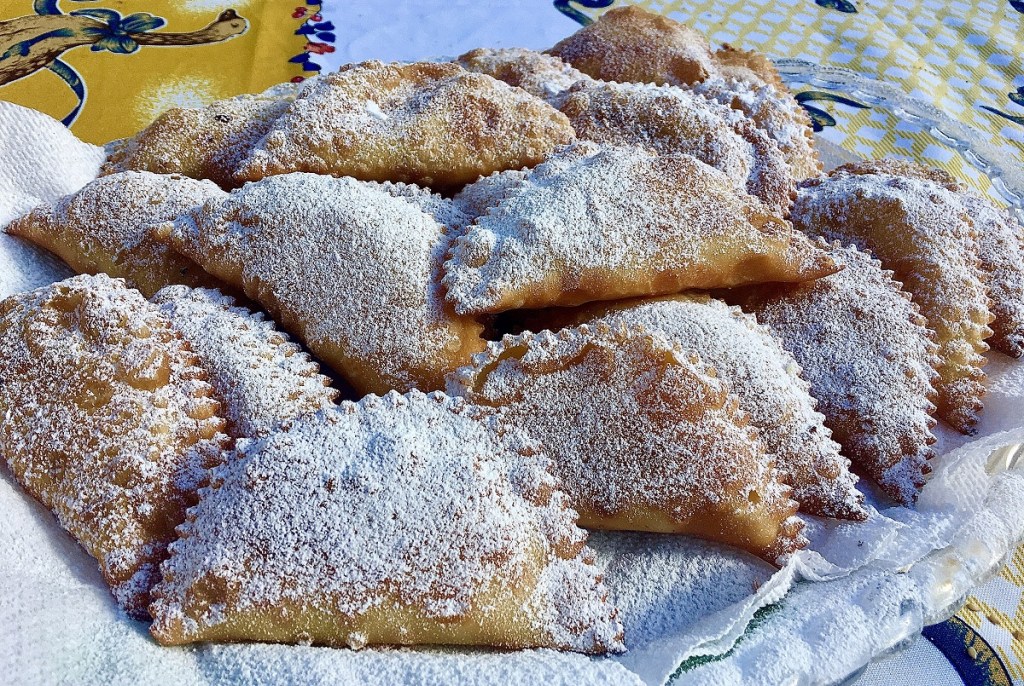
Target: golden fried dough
{"x":635,"y":44}
{"x":431,"y":123}
{"x":864,"y":348}
{"x":544,"y":76}
{"x":107,"y":421}
{"x":108,"y":227}
{"x":602,"y":222}
{"x":259,"y":377}
{"x":642,"y":435}
{"x":204,"y":143}
{"x":748,"y":66}
{"x":1000,"y":249}
{"x":921,"y":232}
{"x":776,"y":112}
{"x":344,"y":265}
{"x":767,"y":382}
{"x":398,"y":520}
{"x":671,"y":121}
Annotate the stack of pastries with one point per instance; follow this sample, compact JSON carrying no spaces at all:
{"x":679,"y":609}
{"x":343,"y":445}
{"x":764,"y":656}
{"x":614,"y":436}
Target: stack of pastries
{"x":604,"y":286}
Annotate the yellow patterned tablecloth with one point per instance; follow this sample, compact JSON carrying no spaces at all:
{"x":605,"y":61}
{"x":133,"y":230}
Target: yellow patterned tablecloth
{"x":108,"y":67}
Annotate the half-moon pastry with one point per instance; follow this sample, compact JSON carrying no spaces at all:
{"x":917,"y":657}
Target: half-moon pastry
{"x":864,"y":348}
{"x":204,"y":143}
{"x":642,"y":435}
{"x":602,"y":222}
{"x":431,"y":123}
{"x":344,"y":265}
{"x":542,"y":75}
{"x":634,"y":44}
{"x":921,"y":232}
{"x":107,"y":227}
{"x":767,"y":382}
{"x":107,"y":421}
{"x":1000,"y":249}
{"x":398,"y":520}
{"x":259,"y":377}
{"x":671,"y":120}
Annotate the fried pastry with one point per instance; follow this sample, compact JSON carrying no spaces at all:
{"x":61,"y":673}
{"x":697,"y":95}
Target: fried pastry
{"x":671,"y":120}
{"x":258,"y":376}
{"x":767,"y":382}
{"x":749,"y":66}
{"x":921,"y":232}
{"x":642,"y":435}
{"x":544,"y":76}
{"x":864,"y":348}
{"x":1000,"y":249}
{"x":431,"y":123}
{"x":445,"y":210}
{"x":1001,"y":252}
{"x":204,"y":143}
{"x":776,"y":112}
{"x":107,"y":227}
{"x":635,"y":44}
{"x":477,"y":198}
{"x":107,"y":421}
{"x":603,"y":222}
{"x":344,"y":265}
{"x":404,"y":520}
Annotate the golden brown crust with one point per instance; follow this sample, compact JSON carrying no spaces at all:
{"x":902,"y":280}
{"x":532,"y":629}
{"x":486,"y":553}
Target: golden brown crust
{"x":764,"y":377}
{"x":642,"y":435}
{"x":1000,"y":247}
{"x":431,"y":123}
{"x":542,"y":75}
{"x":920,"y":231}
{"x":107,"y":421}
{"x":635,"y":44}
{"x":257,"y":374}
{"x":414,"y":519}
{"x":871,"y":362}
{"x":749,"y":66}
{"x":344,"y":265}
{"x":666,"y":223}
{"x":776,"y":112}
{"x":207,"y":143}
{"x":673,"y":121}
{"x":109,"y":227}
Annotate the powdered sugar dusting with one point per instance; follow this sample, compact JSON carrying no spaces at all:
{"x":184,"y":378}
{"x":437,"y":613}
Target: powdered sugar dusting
{"x":544,"y":76}
{"x":1001,"y":250}
{"x":775,"y":112}
{"x":346,"y":266}
{"x":671,"y":120}
{"x":107,"y":227}
{"x":642,"y":436}
{"x":107,"y":421}
{"x":419,"y":502}
{"x":259,"y":377}
{"x":767,"y":381}
{"x":870,"y":362}
{"x":447,"y":212}
{"x":599,"y":222}
{"x":430,"y":123}
{"x":921,"y":231}
{"x":204,"y":143}
{"x":477,"y":198}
